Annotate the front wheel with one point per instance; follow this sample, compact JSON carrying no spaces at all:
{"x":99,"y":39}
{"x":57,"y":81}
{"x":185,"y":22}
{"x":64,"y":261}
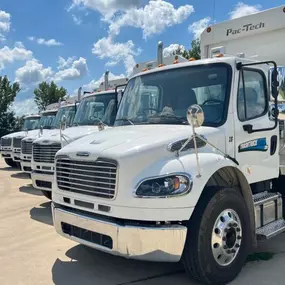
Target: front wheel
{"x":47,"y":194}
{"x":218,"y":239}
{"x":10,"y":162}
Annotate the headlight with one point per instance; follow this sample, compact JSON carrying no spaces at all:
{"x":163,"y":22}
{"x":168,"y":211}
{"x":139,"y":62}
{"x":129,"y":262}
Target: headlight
{"x":165,"y":186}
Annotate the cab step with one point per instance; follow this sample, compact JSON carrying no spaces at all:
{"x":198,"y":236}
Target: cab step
{"x":263,"y":197}
{"x":270,"y":230}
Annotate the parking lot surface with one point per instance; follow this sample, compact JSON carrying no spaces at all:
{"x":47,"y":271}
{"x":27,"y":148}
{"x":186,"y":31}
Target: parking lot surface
{"x":32,"y":253}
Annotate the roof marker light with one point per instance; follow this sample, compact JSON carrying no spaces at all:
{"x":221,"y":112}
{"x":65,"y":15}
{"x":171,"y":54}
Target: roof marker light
{"x":192,"y":59}
{"x":209,"y":29}
{"x":219,"y":55}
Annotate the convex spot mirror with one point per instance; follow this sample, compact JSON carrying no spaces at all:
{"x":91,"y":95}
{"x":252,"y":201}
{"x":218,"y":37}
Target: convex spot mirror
{"x":273,"y":112}
{"x":195,"y":116}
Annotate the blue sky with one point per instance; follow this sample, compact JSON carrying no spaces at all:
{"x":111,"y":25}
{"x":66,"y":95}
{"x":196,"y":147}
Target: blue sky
{"x":74,"y":41}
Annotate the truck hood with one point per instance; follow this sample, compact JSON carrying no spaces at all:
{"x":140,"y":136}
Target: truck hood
{"x":70,"y":134}
{"x":46,"y":133}
{"x":22,"y":134}
{"x":129,"y":140}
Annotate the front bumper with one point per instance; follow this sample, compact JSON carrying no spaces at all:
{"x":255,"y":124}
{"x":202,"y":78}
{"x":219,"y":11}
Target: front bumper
{"x":152,"y":243}
{"x":42,"y":181}
{"x":16,"y":154}
{"x":5,"y":153}
{"x":26,"y":166}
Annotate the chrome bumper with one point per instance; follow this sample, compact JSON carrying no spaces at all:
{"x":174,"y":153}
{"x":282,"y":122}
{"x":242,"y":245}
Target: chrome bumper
{"x":43,"y":178}
{"x":161,"y":243}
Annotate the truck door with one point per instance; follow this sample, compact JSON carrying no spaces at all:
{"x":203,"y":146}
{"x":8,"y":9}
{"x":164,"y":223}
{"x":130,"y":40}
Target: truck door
{"x":256,"y":152}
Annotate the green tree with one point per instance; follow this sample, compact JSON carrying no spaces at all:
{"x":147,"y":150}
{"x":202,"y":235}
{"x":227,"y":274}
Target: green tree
{"x":8,"y":92}
{"x":194,"y":52}
{"x":48,"y":93}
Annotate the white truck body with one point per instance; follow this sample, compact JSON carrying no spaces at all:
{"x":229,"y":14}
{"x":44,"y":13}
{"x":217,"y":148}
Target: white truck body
{"x":85,"y":123}
{"x":67,"y":109}
{"x":155,"y":188}
{"x":32,"y":122}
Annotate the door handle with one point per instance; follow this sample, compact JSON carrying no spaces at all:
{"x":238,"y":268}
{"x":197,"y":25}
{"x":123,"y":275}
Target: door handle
{"x":248,"y":128}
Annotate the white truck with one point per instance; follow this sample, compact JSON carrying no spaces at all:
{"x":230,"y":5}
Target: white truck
{"x":194,"y":174}
{"x":97,"y":110}
{"x":67,"y":109}
{"x":45,"y":122}
{"x":31,"y":122}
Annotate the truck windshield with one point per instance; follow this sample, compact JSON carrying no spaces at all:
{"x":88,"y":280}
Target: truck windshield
{"x":47,"y":119}
{"x":164,"y":97}
{"x":31,"y":123}
{"x":68,"y":112}
{"x":94,"y":109}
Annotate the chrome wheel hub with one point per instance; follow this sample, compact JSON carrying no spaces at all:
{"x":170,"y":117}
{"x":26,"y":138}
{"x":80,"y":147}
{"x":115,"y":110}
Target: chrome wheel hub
{"x":226,"y":237}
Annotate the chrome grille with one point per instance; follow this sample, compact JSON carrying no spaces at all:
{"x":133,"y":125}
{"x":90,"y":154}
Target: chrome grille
{"x":45,"y":153}
{"x":26,"y":147}
{"x":96,"y":178}
{"x":17,"y":142}
{"x":6,"y":141}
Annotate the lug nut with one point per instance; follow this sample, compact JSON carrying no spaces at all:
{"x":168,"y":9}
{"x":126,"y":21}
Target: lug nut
{"x":237,"y":245}
{"x":229,"y":251}
{"x":238,"y":229}
{"x":217,"y":231}
{"x":238,"y":237}
{"x":225,"y":247}
{"x":235,"y":225}
{"x":233,"y":251}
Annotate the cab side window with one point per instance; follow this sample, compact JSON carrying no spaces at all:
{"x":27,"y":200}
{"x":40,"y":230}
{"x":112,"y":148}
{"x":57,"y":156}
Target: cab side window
{"x":252,"y":95}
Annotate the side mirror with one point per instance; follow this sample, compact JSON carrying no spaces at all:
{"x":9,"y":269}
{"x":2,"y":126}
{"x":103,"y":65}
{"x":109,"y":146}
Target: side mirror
{"x":274,"y":83}
{"x":273,"y":113}
{"x":63,"y":123}
{"x":195,"y":116}
{"x":120,"y":96}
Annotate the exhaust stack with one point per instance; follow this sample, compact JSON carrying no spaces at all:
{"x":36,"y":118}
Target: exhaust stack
{"x":160,"y":53}
{"x":79,"y":94}
{"x":106,"y":79}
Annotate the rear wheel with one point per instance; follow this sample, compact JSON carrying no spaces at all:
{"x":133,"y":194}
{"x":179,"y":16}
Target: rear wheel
{"x":47,"y":194}
{"x":10,"y":162}
{"x":218,"y":239}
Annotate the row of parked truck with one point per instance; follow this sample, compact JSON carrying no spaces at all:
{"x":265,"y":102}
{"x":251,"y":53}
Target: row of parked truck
{"x":182,"y":162}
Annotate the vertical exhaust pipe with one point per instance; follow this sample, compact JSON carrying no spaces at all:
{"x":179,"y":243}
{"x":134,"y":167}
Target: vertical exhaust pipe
{"x":79,"y":94}
{"x":106,"y":79}
{"x":160,"y":53}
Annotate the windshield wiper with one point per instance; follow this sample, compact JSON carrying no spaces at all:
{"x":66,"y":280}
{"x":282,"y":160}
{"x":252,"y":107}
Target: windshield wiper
{"x":167,"y":117}
{"x":124,"y":119}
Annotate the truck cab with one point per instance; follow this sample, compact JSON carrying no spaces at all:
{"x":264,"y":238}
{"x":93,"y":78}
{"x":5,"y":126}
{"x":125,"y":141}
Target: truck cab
{"x":67,"y":109}
{"x":31,"y":123}
{"x":96,"y":110}
{"x":45,"y":123}
{"x":195,"y":176}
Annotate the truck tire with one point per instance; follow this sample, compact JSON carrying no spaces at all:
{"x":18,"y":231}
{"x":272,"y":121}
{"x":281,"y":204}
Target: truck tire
{"x":218,"y":239}
{"x":47,"y":194}
{"x":10,"y":162}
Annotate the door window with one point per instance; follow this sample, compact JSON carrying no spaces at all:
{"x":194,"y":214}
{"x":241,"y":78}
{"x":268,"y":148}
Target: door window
{"x":252,"y":95}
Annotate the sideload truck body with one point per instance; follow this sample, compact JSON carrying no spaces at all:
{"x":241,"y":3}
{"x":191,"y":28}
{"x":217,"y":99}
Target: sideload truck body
{"x":96,"y":110}
{"x":193,"y":168}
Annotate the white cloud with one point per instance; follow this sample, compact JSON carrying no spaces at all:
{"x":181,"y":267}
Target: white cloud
{"x":32,"y":73}
{"x":242,"y":9}
{"x":49,"y":43}
{"x":10,"y":55}
{"x":172,"y":49}
{"x":25,"y":107}
{"x":95,"y":83}
{"x":63,"y":64}
{"x":106,"y":7}
{"x":76,"y":19}
{"x":71,"y":69}
{"x":117,"y":52}
{"x":5,"y":23}
{"x":153,"y":18}
{"x":198,"y":27}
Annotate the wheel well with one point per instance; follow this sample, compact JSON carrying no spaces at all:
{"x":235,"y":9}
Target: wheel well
{"x":233,"y":178}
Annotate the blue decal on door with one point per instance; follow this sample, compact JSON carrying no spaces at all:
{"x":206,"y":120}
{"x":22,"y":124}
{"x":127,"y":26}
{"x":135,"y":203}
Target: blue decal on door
{"x":254,"y":145}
